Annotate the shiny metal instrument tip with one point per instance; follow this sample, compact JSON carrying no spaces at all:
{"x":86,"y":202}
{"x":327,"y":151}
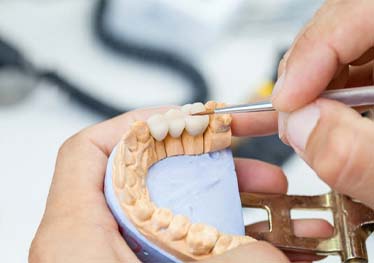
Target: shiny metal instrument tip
{"x":352,"y":97}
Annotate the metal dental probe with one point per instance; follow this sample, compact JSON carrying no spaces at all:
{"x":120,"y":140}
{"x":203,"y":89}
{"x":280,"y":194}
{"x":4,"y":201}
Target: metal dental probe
{"x":353,"y":97}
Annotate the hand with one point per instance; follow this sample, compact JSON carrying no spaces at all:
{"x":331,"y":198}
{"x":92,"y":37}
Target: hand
{"x":77,"y":225}
{"x":335,"y":50}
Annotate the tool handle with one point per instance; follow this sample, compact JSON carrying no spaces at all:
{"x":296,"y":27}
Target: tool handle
{"x":353,"y":97}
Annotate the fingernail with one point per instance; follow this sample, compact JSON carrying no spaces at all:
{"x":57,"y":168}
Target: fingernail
{"x":282,"y":124}
{"x":300,"y":125}
{"x":278,"y":85}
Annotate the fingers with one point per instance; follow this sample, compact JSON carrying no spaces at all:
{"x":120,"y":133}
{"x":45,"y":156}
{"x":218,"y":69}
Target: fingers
{"x":94,"y":144}
{"x":255,"y":252}
{"x":337,"y":143}
{"x":313,"y":228}
{"x":81,"y":165}
{"x":254,"y":124}
{"x":338,"y":35}
{"x":260,"y":177}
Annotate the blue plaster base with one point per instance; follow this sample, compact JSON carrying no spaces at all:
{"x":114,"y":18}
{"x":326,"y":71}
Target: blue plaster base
{"x":202,"y":187}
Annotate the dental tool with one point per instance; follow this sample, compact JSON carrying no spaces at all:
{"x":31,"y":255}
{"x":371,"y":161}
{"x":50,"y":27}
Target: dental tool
{"x":353,"y":97}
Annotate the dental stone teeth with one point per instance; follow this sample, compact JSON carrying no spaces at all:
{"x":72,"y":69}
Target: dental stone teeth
{"x":143,"y":209}
{"x":201,"y":238}
{"x":127,"y":196}
{"x":175,"y":119}
{"x":161,"y":218}
{"x":158,"y":126}
{"x":178,"y":227}
{"x":138,"y":151}
{"x":222,"y":244}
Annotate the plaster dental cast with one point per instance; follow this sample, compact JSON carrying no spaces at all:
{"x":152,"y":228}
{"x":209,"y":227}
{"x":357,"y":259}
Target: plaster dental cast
{"x":89,"y":218}
{"x":201,"y":188}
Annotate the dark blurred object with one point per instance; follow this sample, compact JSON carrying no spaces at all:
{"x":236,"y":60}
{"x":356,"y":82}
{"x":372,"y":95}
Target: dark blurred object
{"x":145,"y":52}
{"x":17,"y":78}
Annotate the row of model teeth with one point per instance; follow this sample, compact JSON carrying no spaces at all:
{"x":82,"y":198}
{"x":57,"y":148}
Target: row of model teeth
{"x":201,"y":239}
{"x":175,"y":121}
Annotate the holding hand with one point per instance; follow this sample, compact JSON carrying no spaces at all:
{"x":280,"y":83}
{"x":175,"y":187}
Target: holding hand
{"x":335,"y":50}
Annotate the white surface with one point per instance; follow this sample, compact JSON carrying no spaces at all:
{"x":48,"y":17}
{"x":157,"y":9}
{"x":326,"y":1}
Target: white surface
{"x":58,"y":34}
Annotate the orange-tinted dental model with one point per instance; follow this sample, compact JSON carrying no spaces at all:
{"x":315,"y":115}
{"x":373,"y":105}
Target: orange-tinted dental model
{"x":170,"y":134}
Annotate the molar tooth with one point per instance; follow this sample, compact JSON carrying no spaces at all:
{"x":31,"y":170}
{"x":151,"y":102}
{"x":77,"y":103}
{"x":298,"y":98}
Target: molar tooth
{"x":178,"y":227}
{"x":222,"y":245}
{"x":186,"y":109}
{"x":176,"y":122}
{"x":227,"y":242}
{"x":158,"y":126}
{"x":197,"y":107}
{"x":161,"y":218}
{"x":201,"y":238}
{"x":126,"y":196}
{"x":238,"y":241}
{"x":196,"y":125}
{"x":245,"y":240}
{"x":143,"y":209}
{"x":130,"y":177}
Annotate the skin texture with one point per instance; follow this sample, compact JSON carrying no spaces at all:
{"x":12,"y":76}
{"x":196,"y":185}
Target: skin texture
{"x":77,"y":225}
{"x":334,"y":50}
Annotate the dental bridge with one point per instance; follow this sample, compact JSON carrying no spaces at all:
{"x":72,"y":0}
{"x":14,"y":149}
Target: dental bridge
{"x":177,"y":132}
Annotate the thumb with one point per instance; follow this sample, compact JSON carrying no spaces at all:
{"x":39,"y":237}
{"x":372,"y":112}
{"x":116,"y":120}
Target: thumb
{"x":337,"y":143}
{"x":255,"y":252}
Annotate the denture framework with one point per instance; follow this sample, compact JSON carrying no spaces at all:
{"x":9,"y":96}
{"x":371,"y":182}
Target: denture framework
{"x":174,"y":133}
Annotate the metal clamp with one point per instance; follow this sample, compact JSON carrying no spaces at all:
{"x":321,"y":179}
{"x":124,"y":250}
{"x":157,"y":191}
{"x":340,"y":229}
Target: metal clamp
{"x":353,"y":223}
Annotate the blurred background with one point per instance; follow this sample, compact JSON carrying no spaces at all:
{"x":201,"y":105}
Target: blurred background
{"x":68,"y":64}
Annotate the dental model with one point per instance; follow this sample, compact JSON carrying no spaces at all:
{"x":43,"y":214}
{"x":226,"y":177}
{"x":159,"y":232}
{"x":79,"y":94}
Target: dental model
{"x":174,"y":133}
